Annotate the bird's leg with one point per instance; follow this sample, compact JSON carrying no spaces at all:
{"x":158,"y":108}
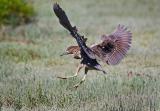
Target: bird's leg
{"x":83,"y":79}
{"x":77,"y":71}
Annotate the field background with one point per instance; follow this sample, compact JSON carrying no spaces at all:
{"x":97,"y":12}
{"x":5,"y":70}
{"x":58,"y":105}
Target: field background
{"x":30,"y":61}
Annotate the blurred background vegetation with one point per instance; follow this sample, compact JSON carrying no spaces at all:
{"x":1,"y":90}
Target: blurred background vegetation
{"x":15,"y":12}
{"x":31,"y":40}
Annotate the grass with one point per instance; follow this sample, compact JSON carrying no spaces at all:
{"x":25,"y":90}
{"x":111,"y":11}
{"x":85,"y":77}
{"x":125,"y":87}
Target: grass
{"x":30,"y":61}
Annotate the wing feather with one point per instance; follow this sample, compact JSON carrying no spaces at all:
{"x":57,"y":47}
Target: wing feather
{"x":120,"y":40}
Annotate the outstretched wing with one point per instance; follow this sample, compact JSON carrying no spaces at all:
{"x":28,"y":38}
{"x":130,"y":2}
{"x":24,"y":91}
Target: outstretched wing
{"x":113,"y":47}
{"x":64,"y":21}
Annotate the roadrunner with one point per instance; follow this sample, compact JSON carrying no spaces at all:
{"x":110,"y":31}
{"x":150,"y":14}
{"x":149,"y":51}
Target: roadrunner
{"x":111,"y":50}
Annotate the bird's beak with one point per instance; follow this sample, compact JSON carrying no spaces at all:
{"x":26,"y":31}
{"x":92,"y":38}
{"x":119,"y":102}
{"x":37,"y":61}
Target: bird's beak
{"x":65,"y":53}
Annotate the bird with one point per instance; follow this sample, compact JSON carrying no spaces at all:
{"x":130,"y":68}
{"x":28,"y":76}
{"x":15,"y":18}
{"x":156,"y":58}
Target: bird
{"x":111,"y":49}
